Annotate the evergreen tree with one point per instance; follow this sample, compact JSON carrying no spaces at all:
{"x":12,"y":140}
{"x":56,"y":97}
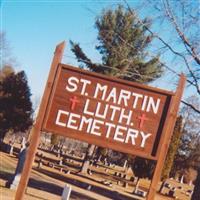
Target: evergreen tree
{"x":175,"y":141}
{"x":123,"y":44}
{"x":15,"y":104}
{"x":188,"y":154}
{"x":142,"y":168}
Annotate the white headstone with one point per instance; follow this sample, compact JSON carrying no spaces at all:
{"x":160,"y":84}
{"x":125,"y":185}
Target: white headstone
{"x":66,"y":192}
{"x":23,"y":144}
{"x":14,"y":182}
{"x":125,"y":163}
{"x":182,"y":178}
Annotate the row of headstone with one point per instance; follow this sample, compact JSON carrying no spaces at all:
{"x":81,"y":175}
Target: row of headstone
{"x":111,"y":165}
{"x":172,"y":190}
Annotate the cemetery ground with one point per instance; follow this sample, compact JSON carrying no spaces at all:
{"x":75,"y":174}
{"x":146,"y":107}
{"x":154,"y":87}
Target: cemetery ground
{"x":50,"y":173}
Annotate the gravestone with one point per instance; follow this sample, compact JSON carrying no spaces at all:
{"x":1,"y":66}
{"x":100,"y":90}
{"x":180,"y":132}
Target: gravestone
{"x":11,"y":149}
{"x":58,"y":153}
{"x":182,"y":178}
{"x":61,"y":161}
{"x":89,"y":187}
{"x":89,"y":172}
{"x":13,"y":184}
{"x":172,"y":192}
{"x":40,"y":161}
{"x":125,"y":164}
{"x":82,"y":156}
{"x":23,"y":144}
{"x":11,"y":145}
{"x":66,"y":192}
{"x":141,"y":193}
{"x":125,"y":185}
{"x":99,"y":159}
{"x":52,"y":148}
{"x":189,"y":193}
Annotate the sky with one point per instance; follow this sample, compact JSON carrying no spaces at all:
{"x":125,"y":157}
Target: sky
{"x":34,"y":28}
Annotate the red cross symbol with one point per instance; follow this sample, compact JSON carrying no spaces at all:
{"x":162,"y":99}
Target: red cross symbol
{"x":74,"y":101}
{"x":142,"y":119}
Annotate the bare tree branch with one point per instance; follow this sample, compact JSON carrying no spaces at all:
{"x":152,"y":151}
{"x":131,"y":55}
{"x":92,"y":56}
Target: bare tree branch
{"x":185,"y":40}
{"x":191,"y":106}
{"x":196,"y":84}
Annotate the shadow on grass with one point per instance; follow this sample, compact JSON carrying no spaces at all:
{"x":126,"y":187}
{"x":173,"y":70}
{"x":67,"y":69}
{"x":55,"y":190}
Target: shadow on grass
{"x":93,"y":188}
{"x":45,"y":186}
{"x":57,"y":190}
{"x":54,"y":189}
{"x":6,"y":176}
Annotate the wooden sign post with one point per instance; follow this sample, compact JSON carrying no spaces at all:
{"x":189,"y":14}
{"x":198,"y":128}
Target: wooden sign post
{"x":37,"y":126}
{"x":167,"y":133}
{"x":108,"y":112}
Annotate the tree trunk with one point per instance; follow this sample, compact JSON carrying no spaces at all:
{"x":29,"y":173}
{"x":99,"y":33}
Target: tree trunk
{"x":196,"y":193}
{"x":87,"y":158}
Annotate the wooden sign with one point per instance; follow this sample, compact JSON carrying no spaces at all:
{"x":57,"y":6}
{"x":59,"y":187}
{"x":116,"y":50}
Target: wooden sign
{"x":107,"y":112}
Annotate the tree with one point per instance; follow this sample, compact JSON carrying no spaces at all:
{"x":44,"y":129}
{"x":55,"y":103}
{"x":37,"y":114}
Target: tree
{"x":123,"y":44}
{"x":178,"y":44}
{"x":188,"y":154}
{"x":194,"y":160}
{"x":15,"y":104}
{"x":190,"y":138}
{"x":5,"y":53}
{"x":142,"y":168}
{"x":88,"y":156}
{"x":175,"y":141}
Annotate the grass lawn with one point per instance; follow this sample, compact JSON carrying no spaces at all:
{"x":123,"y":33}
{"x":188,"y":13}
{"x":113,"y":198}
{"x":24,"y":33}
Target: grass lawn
{"x":47,"y":184}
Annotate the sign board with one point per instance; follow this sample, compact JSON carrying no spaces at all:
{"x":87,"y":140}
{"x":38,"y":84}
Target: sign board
{"x":113,"y":113}
{"x":108,"y":112}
